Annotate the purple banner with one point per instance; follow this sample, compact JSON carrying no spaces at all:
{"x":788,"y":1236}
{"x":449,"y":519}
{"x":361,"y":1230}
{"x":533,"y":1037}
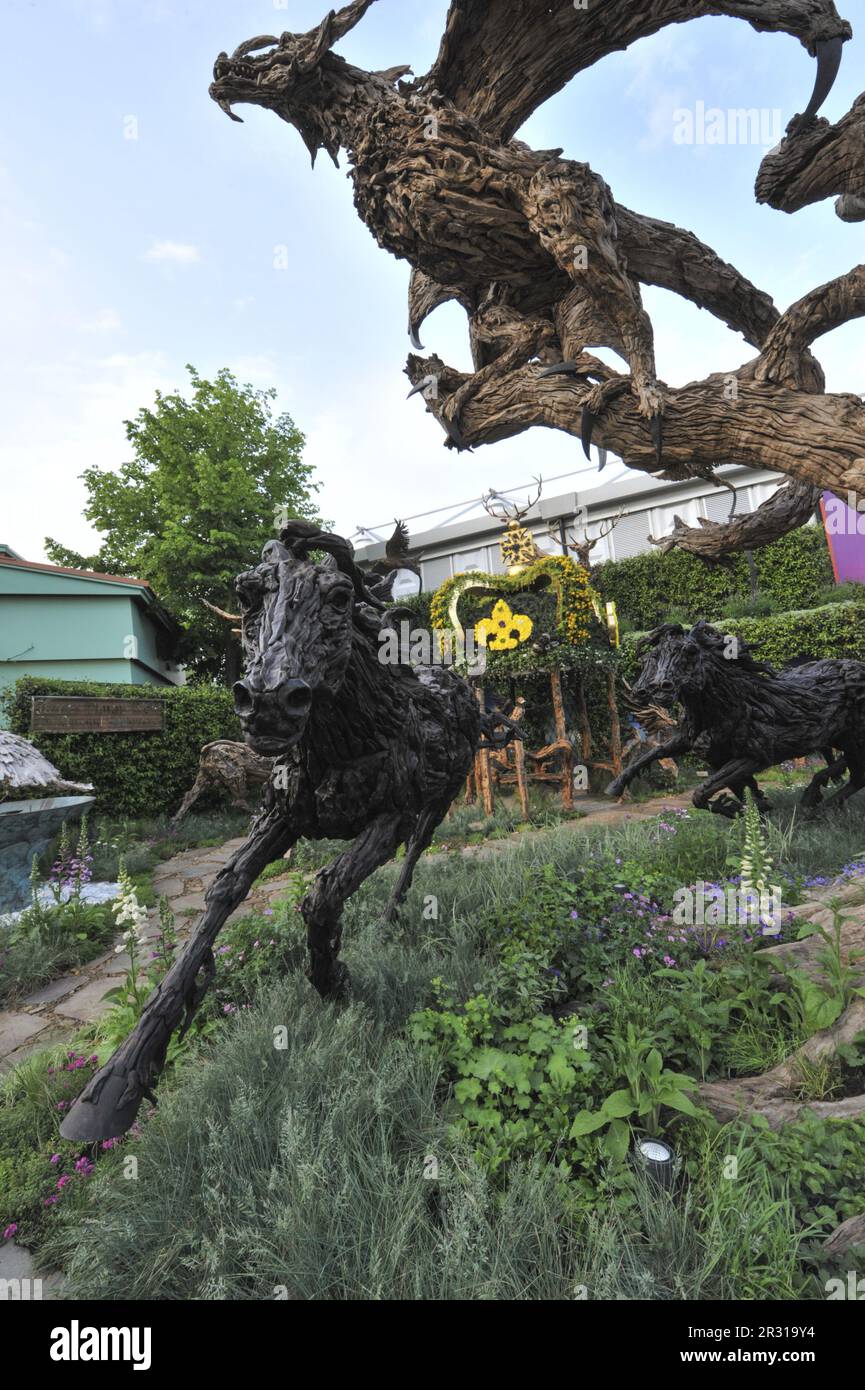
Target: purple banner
{"x":845,"y":533}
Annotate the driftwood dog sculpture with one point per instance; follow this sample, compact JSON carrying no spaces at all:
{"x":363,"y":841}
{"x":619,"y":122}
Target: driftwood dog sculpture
{"x":228,"y":769}
{"x":743,"y":717}
{"x":363,"y":751}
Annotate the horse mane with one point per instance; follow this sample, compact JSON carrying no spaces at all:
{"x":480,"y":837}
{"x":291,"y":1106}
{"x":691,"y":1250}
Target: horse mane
{"x":299,"y":537}
{"x":711,"y":641}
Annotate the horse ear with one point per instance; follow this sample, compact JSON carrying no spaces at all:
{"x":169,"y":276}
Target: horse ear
{"x":274,"y":552}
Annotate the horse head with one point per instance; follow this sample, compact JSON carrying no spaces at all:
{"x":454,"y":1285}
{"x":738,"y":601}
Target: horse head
{"x":298,"y":625}
{"x":674,"y":663}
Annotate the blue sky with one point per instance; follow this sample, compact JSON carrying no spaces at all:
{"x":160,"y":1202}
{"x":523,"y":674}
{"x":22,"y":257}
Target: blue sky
{"x":122,"y":259}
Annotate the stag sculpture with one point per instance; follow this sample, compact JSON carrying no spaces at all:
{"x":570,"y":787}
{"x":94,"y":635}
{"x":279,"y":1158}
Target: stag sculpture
{"x":363,"y":751}
{"x":743,"y":717}
{"x":581,"y":545}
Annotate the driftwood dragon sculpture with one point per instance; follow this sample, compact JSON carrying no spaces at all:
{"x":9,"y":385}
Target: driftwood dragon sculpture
{"x":363,"y":750}
{"x":547,"y":264}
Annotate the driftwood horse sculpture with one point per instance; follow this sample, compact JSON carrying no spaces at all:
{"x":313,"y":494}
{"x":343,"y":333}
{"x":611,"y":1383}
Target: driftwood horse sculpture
{"x":363,"y":751}
{"x":742,"y":716}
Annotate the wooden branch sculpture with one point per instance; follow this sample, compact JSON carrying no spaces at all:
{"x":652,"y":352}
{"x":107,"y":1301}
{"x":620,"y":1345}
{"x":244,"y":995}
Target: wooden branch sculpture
{"x":363,"y":751}
{"x":743,"y":717}
{"x":547,"y":263}
{"x":228,"y":769}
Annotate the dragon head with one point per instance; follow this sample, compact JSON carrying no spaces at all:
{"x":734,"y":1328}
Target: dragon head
{"x":287,"y":76}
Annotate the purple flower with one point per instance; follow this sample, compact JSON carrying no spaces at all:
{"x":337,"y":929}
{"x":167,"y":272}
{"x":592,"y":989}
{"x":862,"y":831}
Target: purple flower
{"x":55,"y":1158}
{"x":574,"y":915}
{"x":268,"y":912}
{"x":10,"y":1231}
{"x":638,"y":951}
{"x":84,"y":1166}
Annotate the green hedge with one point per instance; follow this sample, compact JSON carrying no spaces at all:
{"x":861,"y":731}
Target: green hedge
{"x":793,"y":571}
{"x":836,"y":630}
{"x":136,"y":774}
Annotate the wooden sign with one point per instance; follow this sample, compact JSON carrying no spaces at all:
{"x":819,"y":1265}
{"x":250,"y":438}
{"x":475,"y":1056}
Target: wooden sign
{"x":86,"y":714}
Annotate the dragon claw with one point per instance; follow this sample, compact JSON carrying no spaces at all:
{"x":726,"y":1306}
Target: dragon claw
{"x":589,"y":421}
{"x":829,"y":53}
{"x":559,"y":369}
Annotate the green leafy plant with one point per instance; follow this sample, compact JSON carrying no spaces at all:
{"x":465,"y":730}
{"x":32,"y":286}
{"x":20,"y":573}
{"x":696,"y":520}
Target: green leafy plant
{"x":649,"y":1088}
{"x":840,"y":976}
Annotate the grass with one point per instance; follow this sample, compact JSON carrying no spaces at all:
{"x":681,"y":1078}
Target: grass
{"x":328,"y":1169}
{"x":325,"y":1172}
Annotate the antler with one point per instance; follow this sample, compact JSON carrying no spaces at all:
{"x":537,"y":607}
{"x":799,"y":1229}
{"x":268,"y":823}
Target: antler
{"x":583,"y":548}
{"x":510,"y":511}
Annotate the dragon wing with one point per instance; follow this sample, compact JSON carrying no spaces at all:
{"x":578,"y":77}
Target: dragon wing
{"x":499,"y":60}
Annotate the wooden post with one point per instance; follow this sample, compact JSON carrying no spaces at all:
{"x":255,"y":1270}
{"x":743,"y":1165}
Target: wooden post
{"x":615,"y":726}
{"x":482,"y":768}
{"x":562,"y":738}
{"x":583,"y":716}
{"x":520,"y":760}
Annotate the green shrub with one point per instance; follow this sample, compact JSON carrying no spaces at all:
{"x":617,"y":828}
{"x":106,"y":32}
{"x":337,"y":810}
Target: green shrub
{"x":793,"y":570}
{"x":836,"y":630}
{"x":137,"y":773}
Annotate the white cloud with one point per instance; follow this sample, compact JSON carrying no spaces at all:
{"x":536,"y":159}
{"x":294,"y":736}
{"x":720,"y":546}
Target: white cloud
{"x":172,"y":253}
{"x":105,"y":321}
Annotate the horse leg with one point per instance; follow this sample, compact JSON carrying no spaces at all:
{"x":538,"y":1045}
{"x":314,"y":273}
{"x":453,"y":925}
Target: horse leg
{"x":761,"y":801}
{"x":811,"y":795}
{"x":198,"y":788}
{"x":679,"y":744}
{"x":109,"y":1103}
{"x":732,"y":774}
{"x":855,"y":760}
{"x":323,"y":904}
{"x":420,"y":838}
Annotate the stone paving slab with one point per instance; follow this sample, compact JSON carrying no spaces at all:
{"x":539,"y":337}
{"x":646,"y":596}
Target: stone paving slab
{"x":167,"y":887}
{"x":88,"y":1003}
{"x":16,"y":1264}
{"x":16,"y":1029}
{"x":57,"y":990}
{"x":188,"y":902}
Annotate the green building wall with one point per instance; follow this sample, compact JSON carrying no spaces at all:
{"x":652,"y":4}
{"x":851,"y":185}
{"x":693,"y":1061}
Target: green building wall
{"x":76,"y":628}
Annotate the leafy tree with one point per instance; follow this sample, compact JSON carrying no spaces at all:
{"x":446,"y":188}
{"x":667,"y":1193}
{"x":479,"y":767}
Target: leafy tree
{"x":210,"y":478}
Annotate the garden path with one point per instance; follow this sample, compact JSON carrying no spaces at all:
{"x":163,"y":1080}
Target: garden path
{"x":58,"y":1010}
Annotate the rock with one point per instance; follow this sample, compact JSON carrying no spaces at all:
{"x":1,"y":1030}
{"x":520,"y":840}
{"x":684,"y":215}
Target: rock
{"x":848,"y":1236}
